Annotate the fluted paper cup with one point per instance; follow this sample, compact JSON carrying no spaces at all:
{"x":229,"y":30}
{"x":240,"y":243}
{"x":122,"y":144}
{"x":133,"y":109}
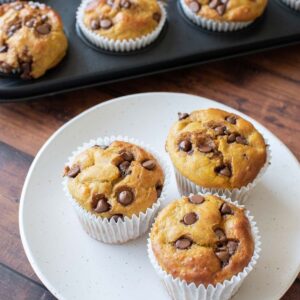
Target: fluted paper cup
{"x":185,"y":186}
{"x":180,"y":290}
{"x":122,"y":230}
{"x":213,"y":25}
{"x":295,"y":4}
{"x":119,"y":45}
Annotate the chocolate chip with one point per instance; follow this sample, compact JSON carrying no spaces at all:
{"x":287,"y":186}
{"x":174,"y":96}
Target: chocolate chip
{"x":221,"y":9}
{"x":30,"y":23}
{"x":159,"y":189}
{"x":149,"y":164}
{"x":194,"y":6}
{"x":126,"y":155}
{"x":12,"y":29}
{"x":66,"y":170}
{"x":223,"y":257}
{"x":26,"y":70}
{"x":223,"y":170}
{"x":190,"y":218}
{"x":185,"y":145}
{"x":220,"y":234}
{"x":232,"y":246}
{"x":225,"y":209}
{"x":241,"y":140}
{"x":231,"y":138}
{"x":44,"y":29}
{"x":196,"y":199}
{"x":205,"y":148}
{"x":213,"y":4}
{"x":103,"y":147}
{"x":124,"y":168}
{"x":94,"y":24}
{"x":231,"y":119}
{"x":116,"y":217}
{"x":106,"y":23}
{"x":44,"y":18}
{"x":125,"y":3}
{"x":125,"y":197}
{"x":3,"y":48}
{"x":183,"y":243}
{"x":156,"y":17}
{"x":101,"y":203}
{"x":5,"y":68}
{"x":182,"y":116}
{"x":19,"y":6}
{"x":74,"y":171}
{"x":220,"y":130}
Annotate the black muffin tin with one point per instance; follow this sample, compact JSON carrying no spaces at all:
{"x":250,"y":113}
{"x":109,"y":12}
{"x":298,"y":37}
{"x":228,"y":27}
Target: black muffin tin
{"x":181,"y":44}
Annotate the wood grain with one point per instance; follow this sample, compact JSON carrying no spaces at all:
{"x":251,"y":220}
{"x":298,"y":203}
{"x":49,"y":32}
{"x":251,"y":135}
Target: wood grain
{"x":265,"y":86}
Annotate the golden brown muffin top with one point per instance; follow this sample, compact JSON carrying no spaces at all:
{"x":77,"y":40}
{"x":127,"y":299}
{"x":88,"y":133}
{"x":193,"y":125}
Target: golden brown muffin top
{"x":204,"y":240}
{"x":115,"y":181}
{"x":216,"y":149}
{"x":228,"y":10}
{"x":31,"y":39}
{"x":122,"y":19}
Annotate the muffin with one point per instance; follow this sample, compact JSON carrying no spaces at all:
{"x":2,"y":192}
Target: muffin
{"x":114,"y":185}
{"x":214,"y":150}
{"x":294,"y":4}
{"x":223,"y":15}
{"x":121,"y":25}
{"x":203,"y":241}
{"x":31,"y":39}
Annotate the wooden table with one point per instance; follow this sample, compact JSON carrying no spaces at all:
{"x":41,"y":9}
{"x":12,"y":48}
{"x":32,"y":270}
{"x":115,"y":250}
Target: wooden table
{"x":265,"y":86}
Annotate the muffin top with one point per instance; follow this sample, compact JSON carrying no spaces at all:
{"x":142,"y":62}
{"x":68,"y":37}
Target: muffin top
{"x":31,"y":39}
{"x":115,"y":181}
{"x":122,"y":19}
{"x":204,"y":240}
{"x":216,"y":149}
{"x":228,"y":10}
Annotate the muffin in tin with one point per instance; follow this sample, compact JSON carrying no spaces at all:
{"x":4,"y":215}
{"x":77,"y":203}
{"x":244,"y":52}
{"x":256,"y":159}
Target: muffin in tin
{"x":121,"y":25}
{"x":201,"y":241}
{"x":223,"y":15}
{"x":32,"y":39}
{"x":214,"y":150}
{"x":115,"y":183}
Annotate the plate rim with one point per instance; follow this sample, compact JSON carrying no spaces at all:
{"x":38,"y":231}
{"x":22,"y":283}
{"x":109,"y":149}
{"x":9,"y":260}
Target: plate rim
{"x":24,"y":241}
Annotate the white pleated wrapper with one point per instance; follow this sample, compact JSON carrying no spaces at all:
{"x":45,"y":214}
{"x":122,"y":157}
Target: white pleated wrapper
{"x":219,"y":26}
{"x":295,"y":4}
{"x":186,"y":187}
{"x":180,"y":290}
{"x":110,"y":231}
{"x":119,"y":45}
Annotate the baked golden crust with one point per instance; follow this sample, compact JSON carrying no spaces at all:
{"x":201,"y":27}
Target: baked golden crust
{"x":200,"y":262}
{"x":122,"y":19}
{"x":231,"y":11}
{"x":104,"y":173}
{"x":31,"y":39}
{"x":225,"y":151}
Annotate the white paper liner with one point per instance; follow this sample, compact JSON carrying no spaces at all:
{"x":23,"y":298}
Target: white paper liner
{"x":180,"y":290}
{"x":119,"y":45}
{"x":214,"y":25}
{"x":295,"y":4}
{"x":110,"y":231}
{"x":185,"y":186}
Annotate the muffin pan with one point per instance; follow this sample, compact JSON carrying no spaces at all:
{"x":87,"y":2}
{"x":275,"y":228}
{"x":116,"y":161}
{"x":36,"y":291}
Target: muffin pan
{"x":181,"y":44}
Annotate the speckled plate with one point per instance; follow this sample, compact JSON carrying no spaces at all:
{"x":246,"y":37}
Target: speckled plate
{"x":74,"y":266}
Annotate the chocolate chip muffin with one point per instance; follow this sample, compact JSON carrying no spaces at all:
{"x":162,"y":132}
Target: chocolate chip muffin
{"x":31,"y":39}
{"x":107,"y":23}
{"x":115,"y":181}
{"x":216,"y":149}
{"x":202,"y":240}
{"x":223,"y":15}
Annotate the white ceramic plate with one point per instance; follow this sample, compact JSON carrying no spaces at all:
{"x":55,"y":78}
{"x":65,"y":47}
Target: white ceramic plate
{"x":74,"y":266}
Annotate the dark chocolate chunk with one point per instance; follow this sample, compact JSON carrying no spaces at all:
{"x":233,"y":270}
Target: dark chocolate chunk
{"x":183,"y":243}
{"x":185,"y":145}
{"x":231,"y":119}
{"x":126,"y":155}
{"x":223,"y":170}
{"x":225,"y":209}
{"x":182,"y":116}
{"x":190,"y":218}
{"x":125,"y":197}
{"x":3,"y":48}
{"x":196,"y":199}
{"x":220,"y":234}
{"x":100,"y":203}
{"x":74,"y":171}
{"x":149,"y":164}
{"x":223,"y":257}
{"x":232,"y":247}
{"x":94,"y":24}
{"x":124,"y":168}
{"x":156,"y":17}
{"x":106,"y":23}
{"x":44,"y":29}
